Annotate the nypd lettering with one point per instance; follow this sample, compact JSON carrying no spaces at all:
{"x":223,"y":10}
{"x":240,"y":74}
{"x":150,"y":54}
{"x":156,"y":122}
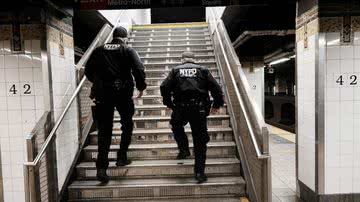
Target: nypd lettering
{"x":111,"y":46}
{"x":188,"y":72}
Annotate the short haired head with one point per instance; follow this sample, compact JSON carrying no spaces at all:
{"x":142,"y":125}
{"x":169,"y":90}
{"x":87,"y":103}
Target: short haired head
{"x":120,"y":32}
{"x":188,"y":56}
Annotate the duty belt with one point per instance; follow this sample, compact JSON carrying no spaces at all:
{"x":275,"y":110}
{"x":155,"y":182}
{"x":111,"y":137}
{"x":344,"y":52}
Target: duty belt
{"x":192,"y":103}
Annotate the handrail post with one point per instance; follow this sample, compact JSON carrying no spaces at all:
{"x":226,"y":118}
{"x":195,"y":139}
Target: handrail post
{"x":29,"y":171}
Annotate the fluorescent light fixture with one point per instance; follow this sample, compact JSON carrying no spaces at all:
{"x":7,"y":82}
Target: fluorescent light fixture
{"x":281,"y":60}
{"x":333,"y":42}
{"x":293,"y":56}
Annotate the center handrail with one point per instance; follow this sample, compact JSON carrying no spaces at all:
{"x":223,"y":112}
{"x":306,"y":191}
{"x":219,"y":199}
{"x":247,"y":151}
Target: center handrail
{"x":80,"y":64}
{"x":259,"y":153}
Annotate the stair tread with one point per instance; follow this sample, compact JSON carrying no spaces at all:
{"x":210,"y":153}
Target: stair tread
{"x":166,"y":130}
{"x":160,"y":163}
{"x":162,"y":145}
{"x":156,"y":182}
{"x":168,"y":117}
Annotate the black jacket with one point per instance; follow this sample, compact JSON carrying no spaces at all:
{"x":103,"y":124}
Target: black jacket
{"x":112,"y":62}
{"x":189,"y":81}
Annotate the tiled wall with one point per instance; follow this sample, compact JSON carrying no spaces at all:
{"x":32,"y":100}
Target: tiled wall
{"x":305,"y":71}
{"x":342,"y":114}
{"x":255,"y":78}
{"x":63,"y":86}
{"x":20,"y":108}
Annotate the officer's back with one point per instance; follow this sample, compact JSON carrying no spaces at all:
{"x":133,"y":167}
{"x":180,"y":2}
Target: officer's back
{"x":112,"y":66}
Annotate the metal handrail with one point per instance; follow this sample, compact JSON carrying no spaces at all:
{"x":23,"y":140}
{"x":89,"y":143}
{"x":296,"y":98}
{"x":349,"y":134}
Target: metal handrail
{"x":75,"y":94}
{"x":259,"y":154}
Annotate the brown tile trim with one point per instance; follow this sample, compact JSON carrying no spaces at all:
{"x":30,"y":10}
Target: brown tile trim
{"x":309,"y":29}
{"x":5,"y":32}
{"x":32,"y":31}
{"x":355,"y":23}
{"x":54,"y":36}
{"x":307,"y":17}
{"x":330,"y":24}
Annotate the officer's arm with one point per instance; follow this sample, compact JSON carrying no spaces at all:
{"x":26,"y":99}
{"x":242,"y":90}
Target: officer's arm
{"x":216,"y":91}
{"x":90,"y":66}
{"x":137,"y":70}
{"x":166,"y":88}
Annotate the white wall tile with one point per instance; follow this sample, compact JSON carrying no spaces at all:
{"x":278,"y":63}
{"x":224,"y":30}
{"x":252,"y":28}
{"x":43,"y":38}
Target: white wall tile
{"x":38,"y":77}
{"x":357,"y":65}
{"x":25,"y":60}
{"x":11,"y":61}
{"x":12,"y":89}
{"x":12,"y":75}
{"x":5,"y":150}
{"x":333,"y":53}
{"x":17,"y":157}
{"x":347,"y":65}
{"x":4,"y":131}
{"x":6,"y":171}
{"x":332,"y":180}
{"x":26,"y":74}
{"x":3,"y":117}
{"x":15,"y":130}
{"x":2,"y":75}
{"x":17,"y":148}
{"x":1,"y":47}
{"x":332,"y":66}
{"x":346,"y":94}
{"x":28,"y":102}
{"x":347,"y":52}
{"x":14,"y":116}
{"x":2,"y":89}
{"x":28,"y":116}
{"x":346,"y":180}
{"x":2,"y":65}
{"x":13,"y":103}
{"x":39,"y":102}
{"x":357,"y":52}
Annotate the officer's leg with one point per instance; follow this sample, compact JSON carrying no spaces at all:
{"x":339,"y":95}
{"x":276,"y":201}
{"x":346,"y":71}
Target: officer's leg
{"x":198,"y":123}
{"x":104,"y":117}
{"x":177,"y":126}
{"x":126,"y":111}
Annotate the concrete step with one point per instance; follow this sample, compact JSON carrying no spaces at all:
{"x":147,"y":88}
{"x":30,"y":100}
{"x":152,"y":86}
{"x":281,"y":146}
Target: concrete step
{"x":161,"y":168}
{"x":171,"y":26}
{"x":176,"y":57}
{"x":162,"y":151}
{"x":165,"y":135}
{"x":161,"y":110}
{"x":169,"y":65}
{"x":171,"y":36}
{"x":167,"y":48}
{"x":203,"y":30}
{"x":159,"y":122}
{"x":162,"y":73}
{"x":151,"y":99}
{"x":168,"y":40}
{"x":156,"y":81}
{"x":202,"y":198}
{"x":157,"y":187}
{"x":172,"y":51}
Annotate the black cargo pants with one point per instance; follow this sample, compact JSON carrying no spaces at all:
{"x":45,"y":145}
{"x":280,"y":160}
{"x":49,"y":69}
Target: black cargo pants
{"x":197,"y":117}
{"x":104,"y":115}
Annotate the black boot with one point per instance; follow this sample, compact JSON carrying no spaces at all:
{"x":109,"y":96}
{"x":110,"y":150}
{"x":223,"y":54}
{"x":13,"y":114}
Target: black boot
{"x":200,"y":177}
{"x":122,"y":160}
{"x":183,"y":154}
{"x":102,"y":176}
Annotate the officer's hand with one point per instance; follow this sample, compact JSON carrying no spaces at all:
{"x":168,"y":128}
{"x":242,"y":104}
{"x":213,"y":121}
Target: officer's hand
{"x":139,"y":95}
{"x":214,"y":110}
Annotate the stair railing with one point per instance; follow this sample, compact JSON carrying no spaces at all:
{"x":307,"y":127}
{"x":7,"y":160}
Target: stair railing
{"x":39,"y":175}
{"x":250,"y":132}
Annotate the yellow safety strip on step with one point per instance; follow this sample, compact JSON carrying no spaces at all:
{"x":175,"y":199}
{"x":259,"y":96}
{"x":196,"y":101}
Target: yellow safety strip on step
{"x":170,"y":26}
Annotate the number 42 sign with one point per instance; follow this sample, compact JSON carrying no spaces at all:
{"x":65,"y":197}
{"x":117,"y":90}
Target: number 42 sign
{"x":351,"y":80}
{"x":14,"y":89}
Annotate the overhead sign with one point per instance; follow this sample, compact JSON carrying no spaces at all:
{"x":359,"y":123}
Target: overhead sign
{"x":127,"y":4}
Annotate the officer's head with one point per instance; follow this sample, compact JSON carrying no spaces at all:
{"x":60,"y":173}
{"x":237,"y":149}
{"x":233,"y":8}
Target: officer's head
{"x":188,"y":57}
{"x":120,"y":33}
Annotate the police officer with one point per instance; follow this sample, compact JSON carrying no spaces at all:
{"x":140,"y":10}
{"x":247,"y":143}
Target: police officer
{"x":189,"y":85}
{"x":111,"y":68}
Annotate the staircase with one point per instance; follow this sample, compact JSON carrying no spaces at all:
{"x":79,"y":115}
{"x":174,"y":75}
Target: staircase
{"x":155,"y":174}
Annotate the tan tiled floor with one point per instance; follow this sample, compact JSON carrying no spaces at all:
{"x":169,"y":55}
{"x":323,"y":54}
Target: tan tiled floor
{"x":282,"y":148}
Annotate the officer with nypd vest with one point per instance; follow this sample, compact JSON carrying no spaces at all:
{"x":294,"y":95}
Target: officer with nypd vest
{"x":189,"y":85}
{"x":111,"y":68}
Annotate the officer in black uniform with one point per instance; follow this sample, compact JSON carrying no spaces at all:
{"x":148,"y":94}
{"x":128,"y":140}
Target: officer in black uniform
{"x":189,"y":85}
{"x":111,"y":69}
